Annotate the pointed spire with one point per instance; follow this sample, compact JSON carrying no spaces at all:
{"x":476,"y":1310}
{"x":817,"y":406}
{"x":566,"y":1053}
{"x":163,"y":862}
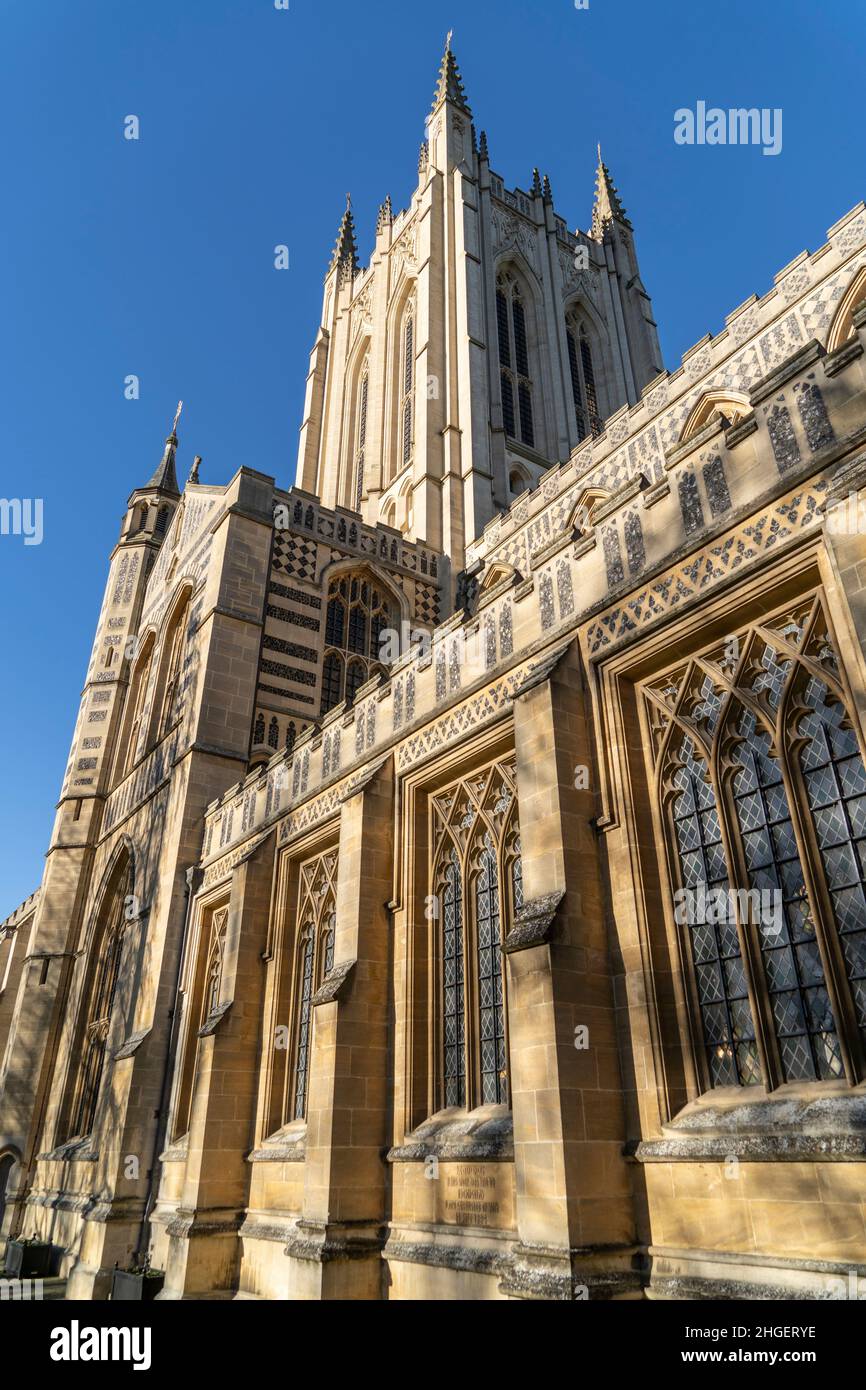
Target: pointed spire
{"x":482,"y":148}
{"x":607,"y":206}
{"x":386,"y":215}
{"x":423,"y":157}
{"x":536,"y":184}
{"x":193,"y":472}
{"x":165,"y":476}
{"x":450,"y":84}
{"x":346,"y":251}
{"x":546,"y":190}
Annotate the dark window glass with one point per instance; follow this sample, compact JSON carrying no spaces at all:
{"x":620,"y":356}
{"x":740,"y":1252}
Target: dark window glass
{"x":453,"y":1018}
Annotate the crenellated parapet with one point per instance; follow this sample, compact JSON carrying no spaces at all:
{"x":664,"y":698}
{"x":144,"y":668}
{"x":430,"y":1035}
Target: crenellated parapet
{"x":649,"y":442}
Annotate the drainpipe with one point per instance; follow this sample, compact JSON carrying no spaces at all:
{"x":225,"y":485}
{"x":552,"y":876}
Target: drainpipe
{"x":193,"y":883}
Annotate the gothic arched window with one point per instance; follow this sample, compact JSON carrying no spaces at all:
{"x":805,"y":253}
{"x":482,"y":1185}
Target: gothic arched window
{"x":358,"y":612}
{"x":762,"y":790}
{"x":201,"y":996}
{"x":361,"y":437}
{"x":135,"y":706}
{"x":317,"y":921}
{"x":514,"y":366}
{"x":475,"y":872}
{"x":583,"y":386}
{"x":332,"y":681}
{"x":172,"y":685}
{"x":100,"y":990}
{"x":406,"y":384}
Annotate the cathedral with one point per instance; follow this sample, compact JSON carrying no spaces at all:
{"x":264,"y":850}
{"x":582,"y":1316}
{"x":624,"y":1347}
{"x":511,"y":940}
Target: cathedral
{"x":457,"y":883}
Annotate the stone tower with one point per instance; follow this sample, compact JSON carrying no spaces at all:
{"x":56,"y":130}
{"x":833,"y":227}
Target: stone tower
{"x":482,"y":342}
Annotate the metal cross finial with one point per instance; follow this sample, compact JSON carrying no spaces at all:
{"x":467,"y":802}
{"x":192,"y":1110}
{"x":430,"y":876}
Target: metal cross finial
{"x":176,"y":417}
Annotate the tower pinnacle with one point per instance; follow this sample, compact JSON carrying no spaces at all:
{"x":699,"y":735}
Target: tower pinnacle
{"x":165,"y":476}
{"x":450,"y":84}
{"x":607,"y":206}
{"x":345,"y":253}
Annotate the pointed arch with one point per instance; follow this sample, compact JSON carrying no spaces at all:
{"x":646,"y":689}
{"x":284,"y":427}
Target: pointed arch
{"x":586,"y":348}
{"x":476,"y":880}
{"x":730,"y":406}
{"x":842,"y":327}
{"x":134,"y":720}
{"x":402,"y":351}
{"x":589,"y":499}
{"x":202,"y":986}
{"x":356,"y":423}
{"x":760,"y":779}
{"x":102,"y":972}
{"x":495,"y":574}
{"x":362,"y":605}
{"x":168,"y":690}
{"x":518,"y":480}
{"x":519,"y":349}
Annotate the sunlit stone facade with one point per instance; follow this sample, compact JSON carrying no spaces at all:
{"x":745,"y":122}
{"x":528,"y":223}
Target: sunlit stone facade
{"x":457,"y":885}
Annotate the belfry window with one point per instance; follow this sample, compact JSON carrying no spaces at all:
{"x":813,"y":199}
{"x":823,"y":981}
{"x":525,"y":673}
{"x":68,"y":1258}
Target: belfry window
{"x":357,"y":613}
{"x":582,"y":371}
{"x":477,"y":881}
{"x":762,"y":794}
{"x":514,"y":369}
{"x":361,"y":437}
{"x":406,"y":385}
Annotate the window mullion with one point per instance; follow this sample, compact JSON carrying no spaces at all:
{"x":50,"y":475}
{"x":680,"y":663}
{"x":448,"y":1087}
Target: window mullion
{"x":827,"y":937}
{"x":472,"y":1051}
{"x":750,"y":950}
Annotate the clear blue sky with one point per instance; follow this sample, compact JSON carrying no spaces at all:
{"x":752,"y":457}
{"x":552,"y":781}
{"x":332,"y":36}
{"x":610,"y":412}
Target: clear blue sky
{"x":156,"y":257}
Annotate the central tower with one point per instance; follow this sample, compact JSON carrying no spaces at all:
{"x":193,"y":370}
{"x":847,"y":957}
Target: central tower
{"x":482,"y":342}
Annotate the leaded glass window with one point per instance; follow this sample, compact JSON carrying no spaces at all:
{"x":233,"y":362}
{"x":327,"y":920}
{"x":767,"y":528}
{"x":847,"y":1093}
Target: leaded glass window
{"x":476,"y":870}
{"x":453,"y":1016}
{"x":490,"y":1000}
{"x":728,"y":1030}
{"x":305,"y":996}
{"x":835,"y":782}
{"x":763,"y":793}
{"x":357,"y":613}
{"x":314,"y":959}
{"x":100,"y":990}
